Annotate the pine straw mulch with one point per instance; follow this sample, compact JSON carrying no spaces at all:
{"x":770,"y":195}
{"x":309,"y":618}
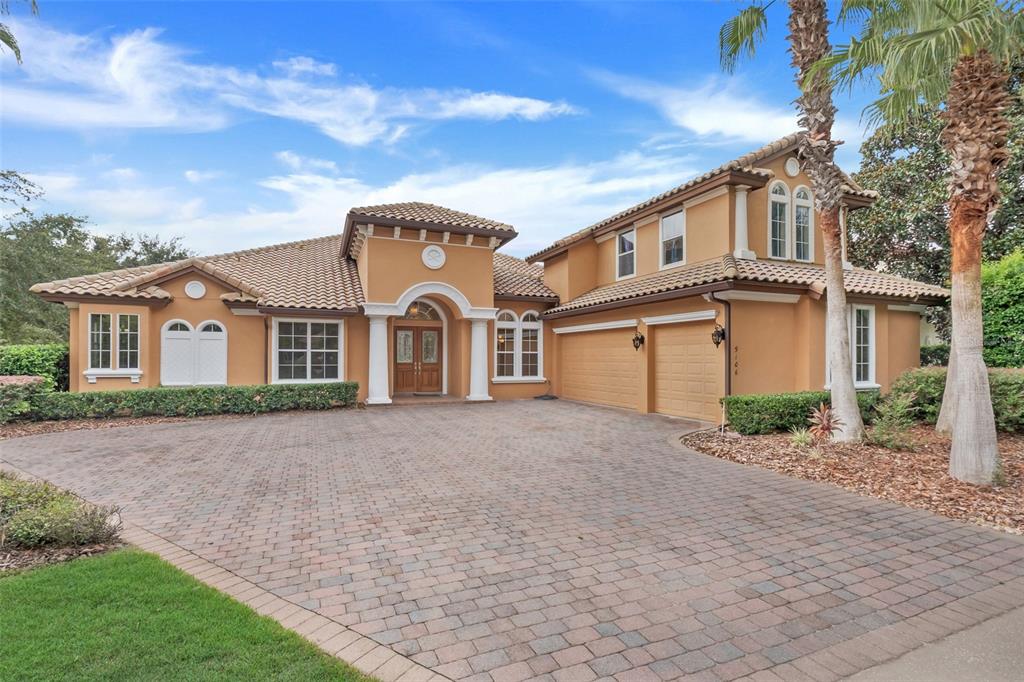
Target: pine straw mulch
{"x":19,"y":429}
{"x":16,"y":560}
{"x":916,"y":478}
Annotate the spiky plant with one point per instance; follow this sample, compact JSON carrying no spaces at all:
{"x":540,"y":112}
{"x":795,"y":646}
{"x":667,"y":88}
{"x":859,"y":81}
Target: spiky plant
{"x":953,"y":54}
{"x":825,"y":423}
{"x":808,"y":43}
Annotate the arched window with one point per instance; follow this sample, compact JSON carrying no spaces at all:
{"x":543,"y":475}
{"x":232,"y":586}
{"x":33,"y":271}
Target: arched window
{"x":178,"y":327}
{"x":803,"y":224}
{"x":518,"y":346}
{"x":211,"y":328}
{"x":421,"y":310}
{"x":778,"y":221}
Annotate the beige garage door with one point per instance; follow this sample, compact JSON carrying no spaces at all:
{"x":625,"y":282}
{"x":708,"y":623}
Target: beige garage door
{"x":600,"y":367}
{"x":687,"y":371}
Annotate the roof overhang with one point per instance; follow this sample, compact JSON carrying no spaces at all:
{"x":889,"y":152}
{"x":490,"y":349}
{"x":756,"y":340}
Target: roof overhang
{"x":353,"y":219}
{"x":97,"y":298}
{"x":535,"y":299}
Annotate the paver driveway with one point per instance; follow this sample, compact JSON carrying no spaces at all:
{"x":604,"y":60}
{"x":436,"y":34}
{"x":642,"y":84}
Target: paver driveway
{"x":531,"y":538}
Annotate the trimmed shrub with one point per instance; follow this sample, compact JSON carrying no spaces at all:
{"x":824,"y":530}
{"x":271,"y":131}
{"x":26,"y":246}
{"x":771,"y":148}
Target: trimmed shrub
{"x":17,"y":394}
{"x":935,"y":356}
{"x":927,"y":385}
{"x":48,"y":360}
{"x":771,"y":412}
{"x":1002,"y":302}
{"x":37,"y":514}
{"x":193,"y":401}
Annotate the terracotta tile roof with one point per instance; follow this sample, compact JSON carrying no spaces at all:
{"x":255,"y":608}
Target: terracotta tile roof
{"x":743,"y":163}
{"x":516,"y":277}
{"x":430,"y":213}
{"x":727,"y":268}
{"x":307,"y":274}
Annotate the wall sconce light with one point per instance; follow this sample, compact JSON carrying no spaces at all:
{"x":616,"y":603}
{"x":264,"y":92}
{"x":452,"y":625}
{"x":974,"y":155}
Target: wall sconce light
{"x":638,"y":340}
{"x":718,"y":335}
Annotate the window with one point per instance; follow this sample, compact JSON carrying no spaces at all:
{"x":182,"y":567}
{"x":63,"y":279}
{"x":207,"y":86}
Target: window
{"x":862,"y":328}
{"x":128,"y":341}
{"x":778,"y":221}
{"x":673,"y":237}
{"x":420,"y":310}
{"x":211,"y":328}
{"x":803,"y":219}
{"x":307,"y":351}
{"x":625,"y":254}
{"x":178,"y":327}
{"x":99,"y":341}
{"x":518,"y":346}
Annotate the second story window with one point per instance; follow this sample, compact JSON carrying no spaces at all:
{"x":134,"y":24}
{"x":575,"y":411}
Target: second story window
{"x":673,"y":238}
{"x":803,"y":224}
{"x":778,"y":221}
{"x":625,"y":254}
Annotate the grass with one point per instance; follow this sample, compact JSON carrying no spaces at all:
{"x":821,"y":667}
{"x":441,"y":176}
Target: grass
{"x":128,"y":615}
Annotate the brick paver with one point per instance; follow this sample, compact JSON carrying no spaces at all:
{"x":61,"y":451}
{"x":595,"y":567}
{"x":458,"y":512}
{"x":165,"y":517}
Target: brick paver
{"x":526,"y":539}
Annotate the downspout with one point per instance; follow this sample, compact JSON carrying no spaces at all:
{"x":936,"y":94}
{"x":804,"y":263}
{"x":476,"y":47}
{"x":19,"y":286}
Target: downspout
{"x":266,"y":349}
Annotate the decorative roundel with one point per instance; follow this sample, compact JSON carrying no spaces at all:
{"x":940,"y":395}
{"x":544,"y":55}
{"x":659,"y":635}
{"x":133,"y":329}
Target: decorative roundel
{"x":792,"y":167}
{"x":433,"y":257}
{"x":195,"y":289}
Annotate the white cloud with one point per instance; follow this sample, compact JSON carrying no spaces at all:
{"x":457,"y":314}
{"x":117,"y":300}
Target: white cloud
{"x":297,"y":162}
{"x":198,"y":176}
{"x":121,"y":174}
{"x":138,"y":81}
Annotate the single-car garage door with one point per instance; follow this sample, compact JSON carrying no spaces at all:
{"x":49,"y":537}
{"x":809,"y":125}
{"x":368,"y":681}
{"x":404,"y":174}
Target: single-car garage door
{"x":687,"y":371}
{"x":600,"y":367}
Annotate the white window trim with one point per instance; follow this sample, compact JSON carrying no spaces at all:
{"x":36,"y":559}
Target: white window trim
{"x":788,"y":202}
{"x":810,"y":231}
{"x":310,"y":320}
{"x":113,"y":343}
{"x":619,"y":277}
{"x":594,"y":327}
{"x":92,"y":374}
{"x":517,"y":325}
{"x":661,"y":241}
{"x":116,"y":345}
{"x":851,"y":329}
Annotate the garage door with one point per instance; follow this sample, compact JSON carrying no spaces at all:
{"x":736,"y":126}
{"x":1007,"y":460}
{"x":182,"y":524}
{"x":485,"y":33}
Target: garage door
{"x":600,"y":367}
{"x":687,"y":371}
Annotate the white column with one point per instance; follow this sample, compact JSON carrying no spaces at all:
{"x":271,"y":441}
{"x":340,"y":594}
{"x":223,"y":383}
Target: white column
{"x":742,"y":245}
{"x":377,"y":392}
{"x":478,"y":362}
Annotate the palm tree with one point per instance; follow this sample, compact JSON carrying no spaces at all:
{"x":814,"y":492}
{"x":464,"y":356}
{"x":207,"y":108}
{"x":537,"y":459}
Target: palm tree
{"x":6,"y":37}
{"x":953,"y":54}
{"x":808,"y":43}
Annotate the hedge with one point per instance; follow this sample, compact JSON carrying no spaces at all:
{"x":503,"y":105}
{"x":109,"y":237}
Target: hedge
{"x":935,"y":356}
{"x":770,"y":412}
{"x":17,"y":394}
{"x":48,"y":360}
{"x":927,"y":385}
{"x":190,"y":401}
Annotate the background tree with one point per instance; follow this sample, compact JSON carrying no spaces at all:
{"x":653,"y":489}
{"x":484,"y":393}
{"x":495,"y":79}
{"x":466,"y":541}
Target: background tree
{"x":6,"y":37}
{"x":16,"y":190}
{"x":808,"y":43}
{"x":953,"y":54}
{"x":1002,"y":287}
{"x":39,"y":249}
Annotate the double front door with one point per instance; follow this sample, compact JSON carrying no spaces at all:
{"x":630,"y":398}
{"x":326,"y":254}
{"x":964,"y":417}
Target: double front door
{"x":418,"y":359}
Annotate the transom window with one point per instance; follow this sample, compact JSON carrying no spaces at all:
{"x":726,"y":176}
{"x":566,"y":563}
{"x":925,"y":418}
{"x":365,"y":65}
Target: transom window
{"x":518,"y":346}
{"x":790,"y":223}
{"x":673,"y":239}
{"x":179,"y":327}
{"x":420,"y":310}
{"x":625,"y":254}
{"x":128,"y":341}
{"x":211,"y":328}
{"x":307,"y":351}
{"x":99,"y":341}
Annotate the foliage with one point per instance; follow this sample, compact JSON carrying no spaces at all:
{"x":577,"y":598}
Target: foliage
{"x":193,"y":401}
{"x":16,"y":189}
{"x":740,"y":36}
{"x":935,"y":356}
{"x":800,"y":436}
{"x":927,"y":384}
{"x":37,"y":514}
{"x":772,"y":412}
{"x":7,"y":38}
{"x":824,"y":422}
{"x":1002,"y":296}
{"x":50,"y":247}
{"x":48,"y":360}
{"x":893,"y":420}
{"x":17,"y":395}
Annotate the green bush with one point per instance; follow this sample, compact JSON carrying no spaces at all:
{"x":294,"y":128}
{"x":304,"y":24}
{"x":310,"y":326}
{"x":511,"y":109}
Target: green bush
{"x":48,"y":360}
{"x":927,"y":385}
{"x":37,"y":514}
{"x":894,"y":417}
{"x":771,"y":412}
{"x":17,"y":394}
{"x":193,"y":401}
{"x":935,"y":356}
{"x":1002,"y":300}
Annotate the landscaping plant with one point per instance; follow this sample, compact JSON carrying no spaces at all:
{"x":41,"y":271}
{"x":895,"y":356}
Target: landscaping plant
{"x":825,"y":423}
{"x":893,"y":421}
{"x":47,"y":360}
{"x":927,"y":384}
{"x":37,"y":514}
{"x":801,"y":437}
{"x":759,"y":413}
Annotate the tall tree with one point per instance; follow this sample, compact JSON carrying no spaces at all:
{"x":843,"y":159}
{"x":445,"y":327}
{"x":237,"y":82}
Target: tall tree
{"x":6,"y":37}
{"x":954,"y":55}
{"x":809,"y":42}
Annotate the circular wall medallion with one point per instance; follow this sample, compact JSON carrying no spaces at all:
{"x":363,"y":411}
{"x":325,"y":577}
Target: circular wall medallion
{"x":433,"y":257}
{"x":195,"y":289}
{"x":792,"y":167}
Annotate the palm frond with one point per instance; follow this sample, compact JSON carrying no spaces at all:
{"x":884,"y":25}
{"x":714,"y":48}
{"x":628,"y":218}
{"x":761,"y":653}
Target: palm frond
{"x":740,"y":36}
{"x":8,"y":40}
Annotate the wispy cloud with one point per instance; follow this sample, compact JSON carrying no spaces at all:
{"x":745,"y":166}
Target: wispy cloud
{"x":199,"y":176}
{"x":300,"y":164}
{"x":137,"y":80}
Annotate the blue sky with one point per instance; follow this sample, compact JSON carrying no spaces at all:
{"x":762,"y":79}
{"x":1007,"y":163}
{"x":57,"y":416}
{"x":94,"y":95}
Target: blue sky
{"x":240,"y":124}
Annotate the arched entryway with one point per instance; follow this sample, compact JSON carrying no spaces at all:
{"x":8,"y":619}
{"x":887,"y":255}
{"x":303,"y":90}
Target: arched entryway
{"x":421,"y":349}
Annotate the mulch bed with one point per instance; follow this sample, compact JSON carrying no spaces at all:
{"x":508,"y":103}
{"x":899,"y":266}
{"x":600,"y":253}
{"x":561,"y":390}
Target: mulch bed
{"x":14,"y":560}
{"x":915,"y":478}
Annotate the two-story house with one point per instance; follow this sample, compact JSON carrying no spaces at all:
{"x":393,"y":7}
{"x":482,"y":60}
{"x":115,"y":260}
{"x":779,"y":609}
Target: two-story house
{"x":713,"y":287}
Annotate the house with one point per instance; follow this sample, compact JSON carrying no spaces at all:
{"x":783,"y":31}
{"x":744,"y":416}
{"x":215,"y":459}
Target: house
{"x":713,"y":287}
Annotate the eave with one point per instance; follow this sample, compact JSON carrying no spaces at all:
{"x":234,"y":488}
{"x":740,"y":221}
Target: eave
{"x":503,"y":236}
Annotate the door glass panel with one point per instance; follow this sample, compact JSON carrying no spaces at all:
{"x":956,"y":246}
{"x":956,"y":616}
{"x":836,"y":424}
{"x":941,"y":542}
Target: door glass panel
{"x":429,"y":347}
{"x":403,"y":345}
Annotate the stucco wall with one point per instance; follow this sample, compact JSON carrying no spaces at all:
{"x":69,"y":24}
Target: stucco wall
{"x":394,"y":265}
{"x":757,"y":210}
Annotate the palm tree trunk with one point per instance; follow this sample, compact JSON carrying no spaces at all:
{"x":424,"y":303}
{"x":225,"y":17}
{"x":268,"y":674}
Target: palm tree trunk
{"x":947,"y":413}
{"x":844,"y":395}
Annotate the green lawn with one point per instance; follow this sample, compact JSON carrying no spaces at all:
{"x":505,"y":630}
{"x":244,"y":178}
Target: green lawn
{"x":128,"y":615}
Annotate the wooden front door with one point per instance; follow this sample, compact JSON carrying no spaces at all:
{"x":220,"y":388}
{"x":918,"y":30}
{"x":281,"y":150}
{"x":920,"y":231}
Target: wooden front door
{"x":418,"y":363}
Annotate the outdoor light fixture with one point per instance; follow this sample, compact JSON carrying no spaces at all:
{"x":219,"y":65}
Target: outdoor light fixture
{"x":638,"y":340}
{"x":718,"y":335}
